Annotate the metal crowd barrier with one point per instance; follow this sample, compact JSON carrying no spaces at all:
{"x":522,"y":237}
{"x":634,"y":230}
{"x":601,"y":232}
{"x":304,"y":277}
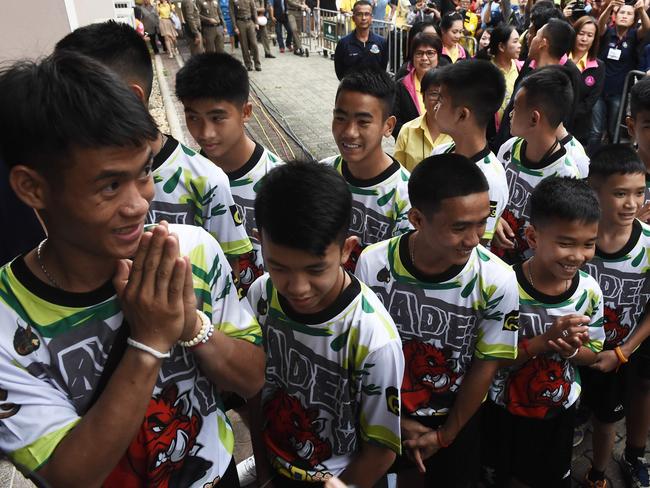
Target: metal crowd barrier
{"x":624,"y":109}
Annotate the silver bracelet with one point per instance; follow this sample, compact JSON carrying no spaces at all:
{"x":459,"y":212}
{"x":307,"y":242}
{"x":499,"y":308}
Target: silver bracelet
{"x":204,"y":334}
{"x":145,"y":348}
{"x":575,"y":353}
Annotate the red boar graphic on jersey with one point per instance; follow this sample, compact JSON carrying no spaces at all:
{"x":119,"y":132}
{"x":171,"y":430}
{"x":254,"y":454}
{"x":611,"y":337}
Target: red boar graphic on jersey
{"x":615,"y":333}
{"x":161,"y":453}
{"x":293,"y":434}
{"x":351,"y":263}
{"x":517,"y":225}
{"x":428,"y":373}
{"x":537,"y":388}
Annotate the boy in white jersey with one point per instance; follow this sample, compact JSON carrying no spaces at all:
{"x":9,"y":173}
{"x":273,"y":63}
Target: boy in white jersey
{"x":470,"y":94}
{"x":362,"y":118}
{"x":455,"y":305}
{"x":638,"y":124}
{"x":614,"y":390}
{"x":214,"y":90}
{"x":189,"y":190}
{"x":575,"y":150}
{"x":86,"y":410}
{"x":541,"y":103}
{"x":530,"y":420}
{"x":330,"y":405}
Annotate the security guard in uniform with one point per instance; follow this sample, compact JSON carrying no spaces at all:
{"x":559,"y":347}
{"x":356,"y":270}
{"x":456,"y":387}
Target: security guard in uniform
{"x":295,"y":9}
{"x":244,"y":15}
{"x":264,"y":36}
{"x":192,"y":25}
{"x":212,"y":24}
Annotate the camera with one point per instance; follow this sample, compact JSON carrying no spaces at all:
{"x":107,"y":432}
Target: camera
{"x":578,"y":10}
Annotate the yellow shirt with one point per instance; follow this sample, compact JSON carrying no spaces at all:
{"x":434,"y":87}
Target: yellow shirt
{"x":510,"y":76}
{"x":414,"y":142}
{"x":165,"y":10}
{"x":581,"y":63}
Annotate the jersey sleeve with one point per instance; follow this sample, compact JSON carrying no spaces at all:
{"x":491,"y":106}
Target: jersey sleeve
{"x":498,"y":193}
{"x":34,"y":415}
{"x":225,"y":223}
{"x":362,"y":271}
{"x":217,"y":294}
{"x":402,"y":205}
{"x":505,"y":148}
{"x":382,"y":371}
{"x":497,"y":335}
{"x":595,"y":312}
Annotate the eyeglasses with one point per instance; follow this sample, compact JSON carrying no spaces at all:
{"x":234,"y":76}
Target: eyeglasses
{"x":429,"y":54}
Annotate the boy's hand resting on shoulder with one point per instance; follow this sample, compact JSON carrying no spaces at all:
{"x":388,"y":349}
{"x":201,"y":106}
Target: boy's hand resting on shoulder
{"x":503,"y":235}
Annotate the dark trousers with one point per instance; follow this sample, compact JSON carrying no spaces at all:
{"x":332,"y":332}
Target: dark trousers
{"x":278,"y":31}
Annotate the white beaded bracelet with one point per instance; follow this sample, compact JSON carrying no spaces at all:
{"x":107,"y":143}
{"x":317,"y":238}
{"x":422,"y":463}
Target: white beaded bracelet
{"x":145,"y":348}
{"x":204,"y":334}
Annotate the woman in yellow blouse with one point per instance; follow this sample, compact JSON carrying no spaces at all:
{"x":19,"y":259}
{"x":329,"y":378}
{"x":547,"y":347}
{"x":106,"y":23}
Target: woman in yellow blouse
{"x":167,"y":30}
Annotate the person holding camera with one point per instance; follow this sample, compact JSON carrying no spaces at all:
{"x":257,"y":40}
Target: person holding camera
{"x":618,"y":50}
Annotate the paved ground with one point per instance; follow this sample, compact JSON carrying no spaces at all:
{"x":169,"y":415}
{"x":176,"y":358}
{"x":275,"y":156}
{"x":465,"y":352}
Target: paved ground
{"x":302,"y":90}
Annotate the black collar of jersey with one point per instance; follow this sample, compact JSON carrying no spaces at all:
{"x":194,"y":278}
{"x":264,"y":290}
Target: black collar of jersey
{"x":248,"y":165}
{"x":546,"y":161}
{"x":566,"y":139}
{"x":543,"y":297}
{"x":482,"y":154}
{"x":629,"y":245}
{"x":58,"y":296}
{"x":361,"y":183}
{"x":165,"y":152}
{"x":328,"y":313}
{"x":405,"y":257}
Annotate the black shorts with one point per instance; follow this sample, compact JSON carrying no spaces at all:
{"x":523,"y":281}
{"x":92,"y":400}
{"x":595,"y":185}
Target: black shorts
{"x":536,"y":452}
{"x":456,"y":466}
{"x":605,"y":393}
{"x":640,"y":360}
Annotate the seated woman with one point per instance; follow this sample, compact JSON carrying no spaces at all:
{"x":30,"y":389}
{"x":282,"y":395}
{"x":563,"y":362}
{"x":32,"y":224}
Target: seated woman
{"x":418,"y":137}
{"x":425,"y":49}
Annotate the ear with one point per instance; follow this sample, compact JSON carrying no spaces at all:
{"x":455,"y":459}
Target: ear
{"x":416,"y":218}
{"x":631,"y":128}
{"x":464,"y":114}
{"x":531,"y":236}
{"x":389,"y":125}
{"x":348,"y":246}
{"x":137,"y":89}
{"x":29,"y":186}
{"x":535,"y":118}
{"x":247,"y":111}
{"x":502,"y":47}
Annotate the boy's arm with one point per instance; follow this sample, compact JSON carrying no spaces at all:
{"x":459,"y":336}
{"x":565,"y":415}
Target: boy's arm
{"x":608,"y":360}
{"x":368,"y":466}
{"x":265,"y":472}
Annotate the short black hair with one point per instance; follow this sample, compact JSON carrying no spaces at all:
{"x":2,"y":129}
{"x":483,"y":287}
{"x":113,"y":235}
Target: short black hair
{"x":461,"y":177}
{"x":426,"y":39}
{"x":216,"y":76}
{"x":476,"y":84}
{"x":615,"y":159}
{"x":304,"y":205}
{"x":361,"y":2}
{"x":448,"y":20}
{"x":542,"y":12}
{"x":560,"y":36}
{"x":64,"y":102}
{"x":560,"y":198}
{"x":430,"y":78}
{"x":418,"y":27}
{"x":640,"y":97}
{"x":373,"y":82}
{"x":116,"y":45}
{"x":549,"y":89}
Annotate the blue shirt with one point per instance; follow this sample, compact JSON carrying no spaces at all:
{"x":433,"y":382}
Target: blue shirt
{"x":351,"y":53}
{"x":617,"y":69}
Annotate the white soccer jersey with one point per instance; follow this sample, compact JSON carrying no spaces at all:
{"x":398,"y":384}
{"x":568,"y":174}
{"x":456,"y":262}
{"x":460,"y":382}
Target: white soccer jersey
{"x":577,"y":152}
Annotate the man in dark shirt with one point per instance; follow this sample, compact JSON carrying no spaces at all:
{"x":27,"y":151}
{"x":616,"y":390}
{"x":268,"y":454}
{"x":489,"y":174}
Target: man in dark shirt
{"x":361,"y":48}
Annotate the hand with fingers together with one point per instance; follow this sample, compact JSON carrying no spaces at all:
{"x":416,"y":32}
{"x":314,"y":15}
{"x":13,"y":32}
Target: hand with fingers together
{"x":412,"y":431}
{"x":154,"y":291}
{"x":567,"y":334}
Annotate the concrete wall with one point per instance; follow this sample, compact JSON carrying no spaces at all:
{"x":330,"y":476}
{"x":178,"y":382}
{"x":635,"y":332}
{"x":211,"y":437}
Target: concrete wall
{"x":30,"y":28}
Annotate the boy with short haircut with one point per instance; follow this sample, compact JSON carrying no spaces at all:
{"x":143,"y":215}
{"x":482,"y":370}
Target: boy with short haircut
{"x":471,"y":92}
{"x":621,"y":267}
{"x":330,"y":405}
{"x":637,"y":122}
{"x":214,"y":90}
{"x":189,"y":189}
{"x":533,"y":154}
{"x":102,"y":382}
{"x":560,"y":308}
{"x":456,"y":306}
{"x":362,"y":118}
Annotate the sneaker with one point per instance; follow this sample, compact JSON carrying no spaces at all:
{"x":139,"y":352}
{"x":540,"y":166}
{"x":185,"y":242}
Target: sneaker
{"x":249,"y":68}
{"x":282,"y":50}
{"x":270,"y":56}
{"x":635,"y":473}
{"x":579,"y":434}
{"x":246,"y":471}
{"x":258,"y":68}
{"x":298,"y":52}
{"x":594,"y":484}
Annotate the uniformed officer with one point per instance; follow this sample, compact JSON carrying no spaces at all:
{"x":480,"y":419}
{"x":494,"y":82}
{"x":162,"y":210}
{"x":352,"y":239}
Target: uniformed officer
{"x":244,"y":13}
{"x":264,"y":36}
{"x":192,"y":25}
{"x":295,"y":9}
{"x":212,"y":24}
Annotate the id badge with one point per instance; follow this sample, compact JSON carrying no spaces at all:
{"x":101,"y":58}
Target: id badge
{"x":614,"y":54}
